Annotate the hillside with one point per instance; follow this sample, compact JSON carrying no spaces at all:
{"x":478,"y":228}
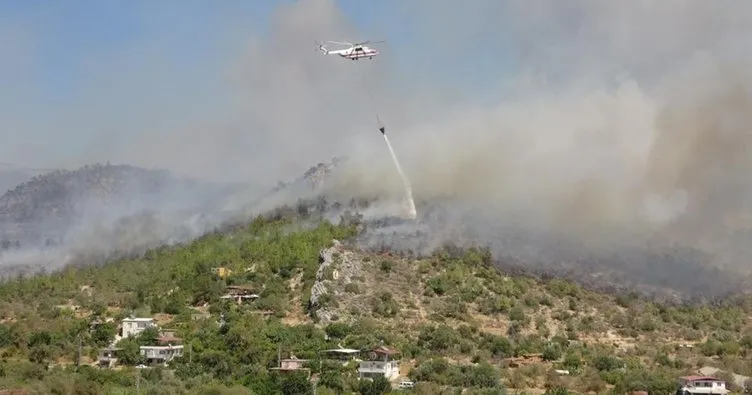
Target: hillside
{"x":113,"y":210}
{"x":11,"y":176}
{"x":42,"y":210}
{"x":99,"y":211}
{"x":455,"y":319}
{"x":103,"y":211}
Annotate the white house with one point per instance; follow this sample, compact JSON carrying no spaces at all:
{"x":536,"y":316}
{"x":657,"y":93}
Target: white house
{"x":382,"y":362}
{"x":134,"y":326}
{"x":701,"y":385}
{"x":161,"y":354}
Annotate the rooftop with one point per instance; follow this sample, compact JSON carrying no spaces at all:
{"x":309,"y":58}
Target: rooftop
{"x":698,"y":378}
{"x":170,"y":347}
{"x":385,"y":350}
{"x":169,"y":339}
{"x":342,"y":350}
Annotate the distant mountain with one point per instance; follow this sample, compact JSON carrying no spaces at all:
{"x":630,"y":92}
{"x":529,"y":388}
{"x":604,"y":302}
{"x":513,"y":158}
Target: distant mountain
{"x":46,"y":207}
{"x":100,"y":211}
{"x":11,"y":176}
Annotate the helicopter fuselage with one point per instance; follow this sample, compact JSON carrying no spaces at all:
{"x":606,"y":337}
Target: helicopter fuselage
{"x":359,"y":52}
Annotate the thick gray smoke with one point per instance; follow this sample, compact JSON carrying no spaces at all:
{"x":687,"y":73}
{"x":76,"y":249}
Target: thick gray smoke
{"x":625,"y":148}
{"x":615,"y":133}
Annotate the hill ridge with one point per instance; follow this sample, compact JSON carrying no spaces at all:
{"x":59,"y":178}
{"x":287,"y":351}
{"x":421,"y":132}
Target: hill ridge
{"x":455,"y":318}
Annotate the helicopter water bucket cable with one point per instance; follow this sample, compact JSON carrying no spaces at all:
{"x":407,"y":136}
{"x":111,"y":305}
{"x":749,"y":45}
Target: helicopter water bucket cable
{"x":370,"y":96}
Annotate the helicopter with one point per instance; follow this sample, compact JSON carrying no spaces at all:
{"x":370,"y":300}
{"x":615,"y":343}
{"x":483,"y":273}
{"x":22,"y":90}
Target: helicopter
{"x":355,"y":52}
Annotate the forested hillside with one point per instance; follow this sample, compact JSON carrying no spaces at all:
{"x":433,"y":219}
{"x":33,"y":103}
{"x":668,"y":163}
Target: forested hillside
{"x":44,"y":210}
{"x":456,"y":321}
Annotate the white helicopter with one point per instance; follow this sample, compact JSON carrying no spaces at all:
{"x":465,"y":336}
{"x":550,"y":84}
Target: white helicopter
{"x":355,"y":52}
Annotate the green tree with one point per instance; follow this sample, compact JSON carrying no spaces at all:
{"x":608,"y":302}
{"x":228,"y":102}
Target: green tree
{"x":104,"y":333}
{"x":556,"y":391}
{"x":377,"y":386}
{"x":551,"y":353}
{"x":129,"y":352}
{"x":295,"y":383}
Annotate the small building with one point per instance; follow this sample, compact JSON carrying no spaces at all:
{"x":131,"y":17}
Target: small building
{"x":341,"y":354}
{"x":292,"y":364}
{"x":690,"y":385}
{"x":239,"y":293}
{"x":382,"y":361}
{"x":740,"y":380}
{"x":108,"y":357}
{"x":134,"y":326}
{"x":161,"y":354}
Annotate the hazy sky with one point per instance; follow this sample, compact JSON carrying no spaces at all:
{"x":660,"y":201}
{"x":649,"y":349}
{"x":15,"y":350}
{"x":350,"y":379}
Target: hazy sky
{"x":80,"y":75}
{"x":235,"y":88}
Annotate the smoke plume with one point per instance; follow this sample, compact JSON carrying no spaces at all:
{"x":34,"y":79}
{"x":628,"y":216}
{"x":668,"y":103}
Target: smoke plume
{"x":585,"y":132}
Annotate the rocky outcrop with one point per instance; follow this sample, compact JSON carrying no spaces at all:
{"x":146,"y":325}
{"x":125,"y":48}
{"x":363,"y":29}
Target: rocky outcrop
{"x":338,"y":267}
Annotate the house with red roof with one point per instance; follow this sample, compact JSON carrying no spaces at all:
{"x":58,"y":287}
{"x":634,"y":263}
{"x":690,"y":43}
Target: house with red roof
{"x":701,"y":385}
{"x":381,"y":361}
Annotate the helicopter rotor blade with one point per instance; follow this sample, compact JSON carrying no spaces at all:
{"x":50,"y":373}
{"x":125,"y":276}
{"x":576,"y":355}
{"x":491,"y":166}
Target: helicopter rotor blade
{"x":370,"y":42}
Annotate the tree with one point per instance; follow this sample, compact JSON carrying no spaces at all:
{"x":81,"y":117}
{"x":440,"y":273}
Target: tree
{"x":551,"y":353}
{"x":377,"y":386}
{"x":484,"y":375}
{"x":129,"y":353}
{"x":149,"y":336}
{"x":517,"y":314}
{"x":338,"y":330}
{"x":39,"y":353}
{"x":295,"y":383}
{"x":556,"y":391}
{"x":104,"y":333}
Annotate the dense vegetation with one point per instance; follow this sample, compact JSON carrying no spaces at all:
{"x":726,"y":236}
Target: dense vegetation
{"x":457,"y":321}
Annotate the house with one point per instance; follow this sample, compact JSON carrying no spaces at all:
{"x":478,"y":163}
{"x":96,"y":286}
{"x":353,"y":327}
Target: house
{"x":168,"y":347}
{"x":292,"y":364}
{"x":381,"y":362}
{"x":239,"y":293}
{"x":134,"y":326}
{"x":108,"y":357}
{"x":701,"y":385}
{"x":161,"y":354}
{"x":740,"y":380}
{"x":341,"y":354}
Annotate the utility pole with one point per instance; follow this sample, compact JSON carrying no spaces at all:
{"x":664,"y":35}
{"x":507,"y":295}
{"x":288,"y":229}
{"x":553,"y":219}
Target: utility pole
{"x":138,"y":382}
